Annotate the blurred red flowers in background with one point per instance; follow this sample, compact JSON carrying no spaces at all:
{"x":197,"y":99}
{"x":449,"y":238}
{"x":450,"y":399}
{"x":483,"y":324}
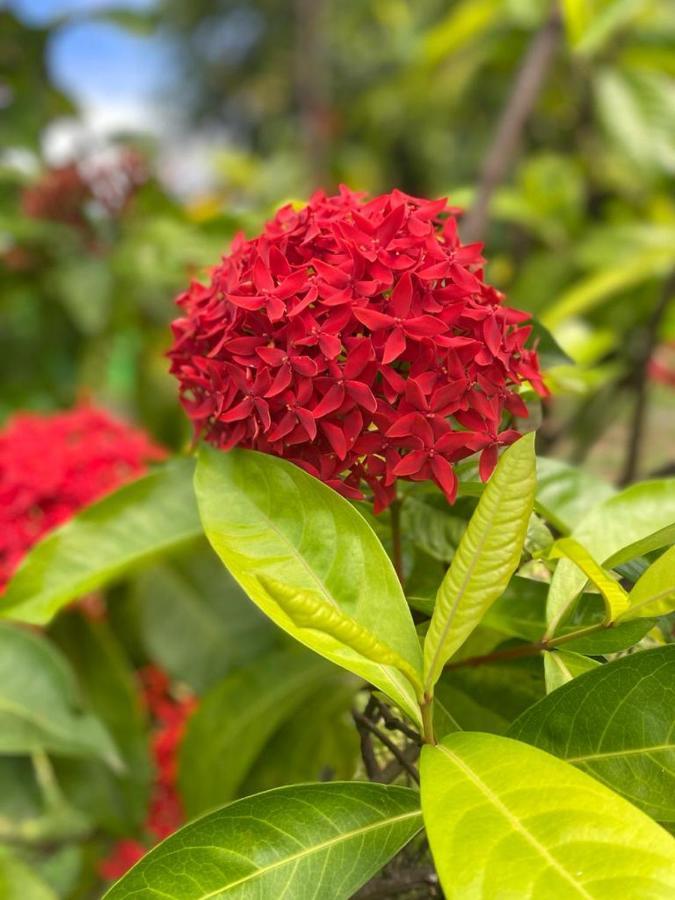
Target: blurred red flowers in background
{"x":51,"y":466}
{"x":359,"y":340}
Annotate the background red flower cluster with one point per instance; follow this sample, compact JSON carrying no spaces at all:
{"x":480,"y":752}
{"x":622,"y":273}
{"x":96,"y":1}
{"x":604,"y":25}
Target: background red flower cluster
{"x":359,"y":340}
{"x":53,"y":465}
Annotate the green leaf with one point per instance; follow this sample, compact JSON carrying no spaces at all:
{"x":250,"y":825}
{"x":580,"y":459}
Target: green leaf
{"x":561,"y":666}
{"x":39,"y":702}
{"x":616,"y":599}
{"x":590,"y":23}
{"x":616,"y":723}
{"x":318,"y":742}
{"x":112,"y":693}
{"x":150,"y":516}
{"x":328,"y":625}
{"x":593,"y":290}
{"x":195,"y":620}
{"x":565,"y":494}
{"x":549,"y":351}
{"x":271,"y":523}
{"x":488,"y":697}
{"x":507,"y":820}
{"x":486,"y":558}
{"x":237,"y":717}
{"x":435,"y":529}
{"x":611,"y":639}
{"x":635,"y":521}
{"x":328,"y":839}
{"x":654,"y":593}
{"x":18,"y":882}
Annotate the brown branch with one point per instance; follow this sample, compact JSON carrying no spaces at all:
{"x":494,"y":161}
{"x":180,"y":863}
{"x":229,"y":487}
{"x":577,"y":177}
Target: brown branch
{"x":524,"y":650}
{"x":394,"y":768}
{"x":518,"y":109}
{"x":392,"y":723}
{"x":365,"y":737}
{"x":640,"y":382}
{"x":395,"y":883}
{"x":398,"y":754}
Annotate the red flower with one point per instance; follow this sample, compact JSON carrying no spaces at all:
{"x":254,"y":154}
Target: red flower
{"x":52,"y":466}
{"x":359,"y":340}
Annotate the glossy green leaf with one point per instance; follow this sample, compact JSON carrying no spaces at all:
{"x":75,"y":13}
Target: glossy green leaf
{"x":432,"y":525}
{"x":561,"y":666}
{"x":195,"y":620}
{"x":236,"y":718}
{"x":507,"y":820}
{"x":612,"y":639}
{"x":318,"y":742}
{"x":146,"y":518}
{"x":108,"y":683}
{"x":486,"y":558}
{"x":325,"y":625}
{"x":271,"y":523}
{"x":39,"y":701}
{"x":616,"y":599}
{"x":615,"y":722}
{"x":488,"y":697}
{"x":18,"y":881}
{"x":325,"y":839}
{"x":654,"y":593}
{"x":565,"y":493}
{"x":639,"y":519}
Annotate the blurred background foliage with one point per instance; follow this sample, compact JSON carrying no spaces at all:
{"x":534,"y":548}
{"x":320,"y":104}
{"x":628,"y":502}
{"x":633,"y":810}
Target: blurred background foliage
{"x":555,"y":128}
{"x":285,"y":97}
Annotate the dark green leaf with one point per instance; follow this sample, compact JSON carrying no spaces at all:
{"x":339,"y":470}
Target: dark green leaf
{"x":196,"y":622}
{"x":236,"y":718}
{"x":39,"y":702}
{"x":615,"y":722}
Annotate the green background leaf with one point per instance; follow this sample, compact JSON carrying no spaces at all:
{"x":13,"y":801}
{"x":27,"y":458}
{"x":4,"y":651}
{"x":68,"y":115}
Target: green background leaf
{"x":150,"y":516}
{"x":639,"y":519}
{"x":39,"y":703}
{"x":235,"y":719}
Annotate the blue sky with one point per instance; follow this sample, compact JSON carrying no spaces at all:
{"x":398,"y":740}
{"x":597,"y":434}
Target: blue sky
{"x":98,"y":63}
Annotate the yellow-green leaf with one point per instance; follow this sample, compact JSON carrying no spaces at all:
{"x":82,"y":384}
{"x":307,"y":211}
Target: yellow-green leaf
{"x":654,"y":593}
{"x":486,"y":558}
{"x":271,"y":523}
{"x":616,"y":599}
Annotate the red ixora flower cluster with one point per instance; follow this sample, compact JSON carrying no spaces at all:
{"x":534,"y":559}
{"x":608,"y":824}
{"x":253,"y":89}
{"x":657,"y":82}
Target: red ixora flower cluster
{"x":359,"y":340}
{"x":51,"y":466}
{"x":165,"y":813}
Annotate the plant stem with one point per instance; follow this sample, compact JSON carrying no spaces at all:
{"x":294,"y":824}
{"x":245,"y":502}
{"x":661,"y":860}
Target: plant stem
{"x":428,"y":720}
{"x":525,"y":650}
{"x":397,"y":547}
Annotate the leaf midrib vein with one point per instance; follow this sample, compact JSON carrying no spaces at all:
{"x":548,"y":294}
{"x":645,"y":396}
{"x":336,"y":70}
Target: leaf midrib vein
{"x":513,"y":820}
